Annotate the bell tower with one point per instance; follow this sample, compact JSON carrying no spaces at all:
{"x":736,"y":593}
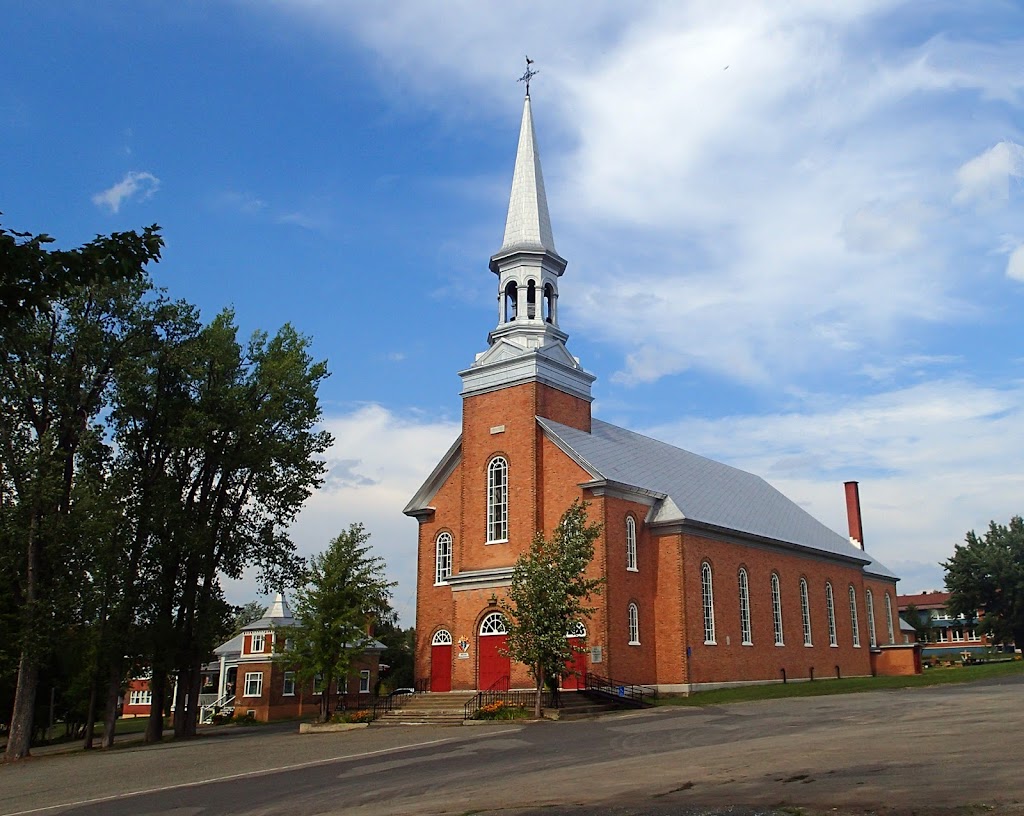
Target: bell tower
{"x":527,"y":345}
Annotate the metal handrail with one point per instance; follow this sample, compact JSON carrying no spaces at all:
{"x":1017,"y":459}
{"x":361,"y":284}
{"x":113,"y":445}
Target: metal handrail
{"x":629,"y":693}
{"x":207,"y":711}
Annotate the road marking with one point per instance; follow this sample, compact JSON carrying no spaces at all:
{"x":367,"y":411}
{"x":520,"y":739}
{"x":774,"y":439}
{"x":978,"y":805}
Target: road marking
{"x":229,"y":777}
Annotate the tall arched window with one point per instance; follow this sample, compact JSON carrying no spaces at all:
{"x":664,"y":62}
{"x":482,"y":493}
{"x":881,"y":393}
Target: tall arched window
{"x":830,"y":607}
{"x":634,"y":625}
{"x":443,"y":560}
{"x":777,"y":610}
{"x":805,"y":612}
{"x":630,"y":544}
{"x":708,"y":597}
{"x":853,"y":616}
{"x":745,"y":633}
{"x":497,"y":500}
{"x":871,"y":619}
{"x":888,"y":618}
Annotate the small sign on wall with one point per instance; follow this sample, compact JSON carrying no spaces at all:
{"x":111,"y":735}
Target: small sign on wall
{"x":596,"y":654}
{"x":463,"y":655}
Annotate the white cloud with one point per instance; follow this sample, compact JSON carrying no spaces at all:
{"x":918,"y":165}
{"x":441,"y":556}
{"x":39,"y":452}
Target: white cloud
{"x":135,"y":185}
{"x":378,"y":461}
{"x":1015,"y":265}
{"x":986,"y":178}
{"x":932,"y":461}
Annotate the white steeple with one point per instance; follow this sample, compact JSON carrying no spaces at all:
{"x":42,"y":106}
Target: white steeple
{"x":527,"y":343}
{"x":528,"y":225}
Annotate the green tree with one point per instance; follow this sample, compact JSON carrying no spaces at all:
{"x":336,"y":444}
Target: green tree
{"x":60,"y":346}
{"x":550,"y":592}
{"x":987,"y":573}
{"x":344,"y":595}
{"x":242,"y":616}
{"x":33,"y":277}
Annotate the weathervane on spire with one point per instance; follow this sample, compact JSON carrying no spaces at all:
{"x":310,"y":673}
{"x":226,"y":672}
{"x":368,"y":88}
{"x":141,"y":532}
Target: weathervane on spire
{"x":530,"y":74}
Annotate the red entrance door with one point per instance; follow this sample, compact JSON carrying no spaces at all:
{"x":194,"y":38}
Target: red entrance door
{"x":575,"y":676}
{"x":441,"y":667}
{"x":493,"y":665}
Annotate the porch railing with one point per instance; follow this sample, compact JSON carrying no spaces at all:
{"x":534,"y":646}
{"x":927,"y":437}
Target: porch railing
{"x":208,"y":708}
{"x":623,"y":693}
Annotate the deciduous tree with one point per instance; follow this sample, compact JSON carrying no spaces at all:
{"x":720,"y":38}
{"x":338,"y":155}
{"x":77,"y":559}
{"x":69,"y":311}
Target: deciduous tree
{"x":550,"y":592}
{"x":986,"y":573}
{"x":344,"y":594}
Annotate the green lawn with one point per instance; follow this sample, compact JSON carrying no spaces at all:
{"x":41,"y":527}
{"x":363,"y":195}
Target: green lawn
{"x":774,"y":691}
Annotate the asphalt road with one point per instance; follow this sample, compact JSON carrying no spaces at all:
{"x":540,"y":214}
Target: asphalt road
{"x":921,"y":751}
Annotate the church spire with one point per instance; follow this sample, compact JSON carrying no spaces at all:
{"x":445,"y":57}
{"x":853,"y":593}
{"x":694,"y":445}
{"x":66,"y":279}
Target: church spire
{"x":527,"y":345}
{"x":528,"y":225}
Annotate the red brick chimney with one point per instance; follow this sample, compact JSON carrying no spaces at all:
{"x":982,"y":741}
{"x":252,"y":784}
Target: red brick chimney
{"x":853,"y":514}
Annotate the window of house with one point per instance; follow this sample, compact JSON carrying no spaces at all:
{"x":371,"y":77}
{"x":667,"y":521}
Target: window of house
{"x":972,"y":634}
{"x":364,"y":681}
{"x":634,"y":625}
{"x":258,"y":643}
{"x":708,"y":597}
{"x":870,"y":601}
{"x":497,"y":500}
{"x":140,"y":697}
{"x":888,"y":618}
{"x":744,"y":585}
{"x":253,"y":684}
{"x":443,"y":563}
{"x":853,"y":617}
{"x":630,"y":544}
{"x":830,"y":607}
{"x":289,"y":684}
{"x":777,"y":610}
{"x":940,"y":636}
{"x":805,"y":612}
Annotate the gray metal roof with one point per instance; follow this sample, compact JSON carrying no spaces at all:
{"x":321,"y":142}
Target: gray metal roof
{"x":696,"y":489}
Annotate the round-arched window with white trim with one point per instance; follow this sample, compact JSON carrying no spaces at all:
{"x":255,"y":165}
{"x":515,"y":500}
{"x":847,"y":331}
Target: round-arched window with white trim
{"x":442,"y":637}
{"x":493,"y":624}
{"x":576,"y":630}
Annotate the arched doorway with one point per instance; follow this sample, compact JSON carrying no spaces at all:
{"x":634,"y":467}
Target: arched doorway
{"x":575,"y":675}
{"x":441,"y":661}
{"x":493,"y":667}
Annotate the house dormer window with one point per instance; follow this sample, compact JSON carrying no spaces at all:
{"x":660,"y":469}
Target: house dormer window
{"x":497,"y":500}
{"x":258,"y":643}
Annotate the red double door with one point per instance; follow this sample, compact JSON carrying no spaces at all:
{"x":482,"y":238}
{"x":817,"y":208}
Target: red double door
{"x":493,"y":664}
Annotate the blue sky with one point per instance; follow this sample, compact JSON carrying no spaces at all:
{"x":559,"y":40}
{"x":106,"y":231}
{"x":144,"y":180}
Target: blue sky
{"x":793,"y":229}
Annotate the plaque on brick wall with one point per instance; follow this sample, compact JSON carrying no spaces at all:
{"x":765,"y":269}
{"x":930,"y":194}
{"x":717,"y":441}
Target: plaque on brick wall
{"x":596,"y":654}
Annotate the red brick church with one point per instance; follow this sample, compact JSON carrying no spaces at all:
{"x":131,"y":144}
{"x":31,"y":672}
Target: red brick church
{"x":713,"y":576}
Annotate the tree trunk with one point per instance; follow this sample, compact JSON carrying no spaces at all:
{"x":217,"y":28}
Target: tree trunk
{"x":158,"y":689}
{"x":110,"y":713}
{"x":540,"y":691}
{"x":19,"y":739}
{"x":194,"y":689}
{"x":90,"y":714}
{"x":181,"y":711}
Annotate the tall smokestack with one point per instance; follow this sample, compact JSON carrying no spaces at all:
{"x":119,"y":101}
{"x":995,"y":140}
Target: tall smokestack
{"x":853,"y":514}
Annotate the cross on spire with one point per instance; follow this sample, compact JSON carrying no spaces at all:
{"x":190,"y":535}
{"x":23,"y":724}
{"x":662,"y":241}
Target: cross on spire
{"x":528,"y":75}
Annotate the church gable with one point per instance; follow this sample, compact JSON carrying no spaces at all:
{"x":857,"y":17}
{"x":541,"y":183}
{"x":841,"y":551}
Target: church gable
{"x":419,"y":504}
